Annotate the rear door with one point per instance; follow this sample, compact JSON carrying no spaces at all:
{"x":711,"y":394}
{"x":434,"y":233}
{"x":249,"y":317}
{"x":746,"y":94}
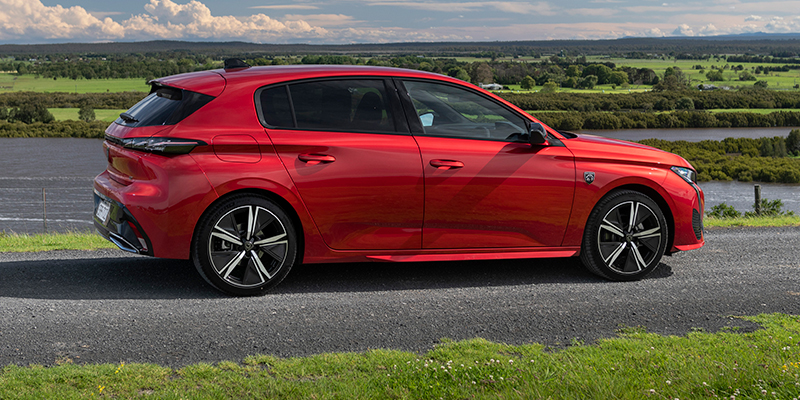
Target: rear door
{"x":485,"y":185}
{"x":353,"y":161}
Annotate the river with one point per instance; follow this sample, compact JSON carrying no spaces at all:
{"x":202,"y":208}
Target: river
{"x":64,"y":169}
{"x":691,"y":135}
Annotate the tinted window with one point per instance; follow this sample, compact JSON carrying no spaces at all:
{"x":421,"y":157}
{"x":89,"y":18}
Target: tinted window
{"x":340,"y":105}
{"x":446,"y":110}
{"x":275,"y":107}
{"x":163,"y":106}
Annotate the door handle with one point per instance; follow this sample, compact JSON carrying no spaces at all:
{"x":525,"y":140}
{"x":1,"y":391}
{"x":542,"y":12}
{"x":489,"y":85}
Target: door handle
{"x":314,"y":159}
{"x":447,"y":164}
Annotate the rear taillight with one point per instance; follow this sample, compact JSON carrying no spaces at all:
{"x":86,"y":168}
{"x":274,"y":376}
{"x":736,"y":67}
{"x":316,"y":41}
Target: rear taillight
{"x":158,"y":144}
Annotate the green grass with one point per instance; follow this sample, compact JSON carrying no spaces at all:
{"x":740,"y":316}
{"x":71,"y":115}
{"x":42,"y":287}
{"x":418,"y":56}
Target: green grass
{"x":29,"y":83}
{"x":760,"y":364}
{"x":783,"y":220}
{"x":14,"y":243}
{"x":63,"y":114}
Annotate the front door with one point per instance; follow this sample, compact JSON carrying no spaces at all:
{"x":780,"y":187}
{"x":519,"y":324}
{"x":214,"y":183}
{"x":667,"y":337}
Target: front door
{"x":485,"y":186}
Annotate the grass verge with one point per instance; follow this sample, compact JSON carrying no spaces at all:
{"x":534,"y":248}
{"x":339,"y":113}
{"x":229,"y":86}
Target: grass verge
{"x":782,"y":220}
{"x":14,"y":242}
{"x":760,"y":364}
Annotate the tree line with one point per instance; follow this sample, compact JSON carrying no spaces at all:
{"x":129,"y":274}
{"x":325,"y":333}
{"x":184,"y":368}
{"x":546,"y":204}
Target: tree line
{"x":574,"y":120}
{"x":659,"y":101}
{"x":742,"y":159}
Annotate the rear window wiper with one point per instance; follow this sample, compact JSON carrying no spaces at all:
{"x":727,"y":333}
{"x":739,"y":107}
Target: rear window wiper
{"x":128,"y":118}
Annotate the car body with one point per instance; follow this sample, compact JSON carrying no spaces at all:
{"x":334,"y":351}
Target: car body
{"x":250,"y":170}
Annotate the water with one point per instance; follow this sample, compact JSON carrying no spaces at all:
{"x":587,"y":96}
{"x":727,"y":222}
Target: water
{"x":63,"y":167}
{"x":66,"y":167}
{"x":691,"y":135}
{"x":741,"y":195}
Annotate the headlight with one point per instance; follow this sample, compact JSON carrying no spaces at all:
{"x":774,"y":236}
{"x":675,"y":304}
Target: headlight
{"x":157,"y":144}
{"x":686,"y":173}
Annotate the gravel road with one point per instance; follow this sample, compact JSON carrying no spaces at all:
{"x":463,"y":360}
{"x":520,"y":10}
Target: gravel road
{"x":106,"y":306}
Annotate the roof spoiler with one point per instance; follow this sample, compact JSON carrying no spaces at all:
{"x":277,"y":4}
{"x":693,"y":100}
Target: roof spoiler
{"x":235,"y":63}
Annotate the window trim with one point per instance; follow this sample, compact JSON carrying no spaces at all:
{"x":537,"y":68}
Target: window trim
{"x":416,"y":124}
{"x":392,"y":95}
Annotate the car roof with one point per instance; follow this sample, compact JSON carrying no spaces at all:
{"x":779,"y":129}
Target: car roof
{"x":213,"y":82}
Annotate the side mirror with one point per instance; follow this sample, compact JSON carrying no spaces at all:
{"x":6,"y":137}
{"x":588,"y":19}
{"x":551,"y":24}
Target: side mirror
{"x":538,"y":134}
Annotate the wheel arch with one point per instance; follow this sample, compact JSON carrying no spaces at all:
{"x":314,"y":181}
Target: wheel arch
{"x":272,"y":196}
{"x":656,"y":197}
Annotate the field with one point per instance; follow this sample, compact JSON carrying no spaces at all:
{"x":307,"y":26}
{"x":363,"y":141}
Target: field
{"x":29,"y":83}
{"x":63,"y":114}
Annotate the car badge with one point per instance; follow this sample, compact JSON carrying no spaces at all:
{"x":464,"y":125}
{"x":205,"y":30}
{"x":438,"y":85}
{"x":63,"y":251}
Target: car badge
{"x":588,"y":177}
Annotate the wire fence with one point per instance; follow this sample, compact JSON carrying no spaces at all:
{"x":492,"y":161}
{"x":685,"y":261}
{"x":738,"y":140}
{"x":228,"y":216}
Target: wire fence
{"x":46,"y":209}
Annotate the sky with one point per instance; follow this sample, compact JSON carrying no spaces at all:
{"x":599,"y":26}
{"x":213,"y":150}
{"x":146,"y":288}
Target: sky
{"x":384,"y":21}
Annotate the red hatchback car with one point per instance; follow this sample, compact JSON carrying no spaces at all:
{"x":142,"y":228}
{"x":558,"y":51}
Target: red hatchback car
{"x":249,"y":171}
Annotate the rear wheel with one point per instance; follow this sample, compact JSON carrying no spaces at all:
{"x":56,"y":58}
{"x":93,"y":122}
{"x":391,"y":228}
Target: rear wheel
{"x":245,"y":245}
{"x":625,"y":236}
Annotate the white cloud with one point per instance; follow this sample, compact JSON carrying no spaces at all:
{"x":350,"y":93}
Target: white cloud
{"x":30,"y":18}
{"x":683,"y":30}
{"x":754,"y":18}
{"x":653,"y":32}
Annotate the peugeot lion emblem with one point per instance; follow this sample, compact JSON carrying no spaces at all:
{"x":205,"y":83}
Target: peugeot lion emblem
{"x":588,"y":177}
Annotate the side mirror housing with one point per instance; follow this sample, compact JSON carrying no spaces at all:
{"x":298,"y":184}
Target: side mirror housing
{"x":538,"y":135}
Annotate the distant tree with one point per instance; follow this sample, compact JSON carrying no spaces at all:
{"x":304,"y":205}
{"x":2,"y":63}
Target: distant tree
{"x":761,"y":84}
{"x":674,"y":79}
{"x":618,"y":78}
{"x":3,"y":113}
{"x":746,"y":76}
{"x":793,"y":142}
{"x":528,"y":83}
{"x":684,"y":103}
{"x":664,"y":104}
{"x":588,"y":82}
{"x":602,"y":72}
{"x":483,"y":73}
{"x":31,"y":112}
{"x":573,"y":70}
{"x":571,"y":82}
{"x":715,"y":76}
{"x":86,"y":113}
{"x":549,"y":87}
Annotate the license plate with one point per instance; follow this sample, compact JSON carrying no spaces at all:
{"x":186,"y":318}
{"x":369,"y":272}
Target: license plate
{"x":102,"y":211}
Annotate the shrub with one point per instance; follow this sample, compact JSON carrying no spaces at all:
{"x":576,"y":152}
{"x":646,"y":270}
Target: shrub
{"x":769,"y":208}
{"x":722,"y":211}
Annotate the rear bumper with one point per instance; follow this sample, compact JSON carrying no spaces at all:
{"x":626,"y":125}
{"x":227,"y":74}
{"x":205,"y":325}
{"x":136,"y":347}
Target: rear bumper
{"x":120,"y":227}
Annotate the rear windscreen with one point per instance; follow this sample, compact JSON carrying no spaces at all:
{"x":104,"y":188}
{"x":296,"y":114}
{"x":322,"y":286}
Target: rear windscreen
{"x":163,"y":106}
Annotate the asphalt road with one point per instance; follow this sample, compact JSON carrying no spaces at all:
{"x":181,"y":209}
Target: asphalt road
{"x":105,"y":306}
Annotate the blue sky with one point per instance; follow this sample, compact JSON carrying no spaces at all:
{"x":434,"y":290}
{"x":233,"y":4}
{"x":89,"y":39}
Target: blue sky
{"x":379,"y":21}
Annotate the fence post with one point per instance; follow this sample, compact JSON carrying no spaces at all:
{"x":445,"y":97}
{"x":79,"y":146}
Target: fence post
{"x":44,"y":209}
{"x":757,"y":204}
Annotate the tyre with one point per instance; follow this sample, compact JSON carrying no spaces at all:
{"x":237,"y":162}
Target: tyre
{"x":625,"y":236}
{"x":244,"y":245}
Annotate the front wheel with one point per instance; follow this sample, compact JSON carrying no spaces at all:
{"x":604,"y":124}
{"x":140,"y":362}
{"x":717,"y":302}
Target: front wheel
{"x":625,"y":236}
{"x":245,"y":245}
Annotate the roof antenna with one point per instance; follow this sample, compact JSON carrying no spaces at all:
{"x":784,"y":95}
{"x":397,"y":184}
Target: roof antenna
{"x":235,"y":63}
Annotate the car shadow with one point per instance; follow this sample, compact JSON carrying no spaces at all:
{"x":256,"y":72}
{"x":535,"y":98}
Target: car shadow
{"x":153,"y":278}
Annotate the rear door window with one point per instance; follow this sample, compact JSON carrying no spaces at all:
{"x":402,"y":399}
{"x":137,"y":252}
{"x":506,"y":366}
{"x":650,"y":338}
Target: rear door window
{"x":358,"y":105}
